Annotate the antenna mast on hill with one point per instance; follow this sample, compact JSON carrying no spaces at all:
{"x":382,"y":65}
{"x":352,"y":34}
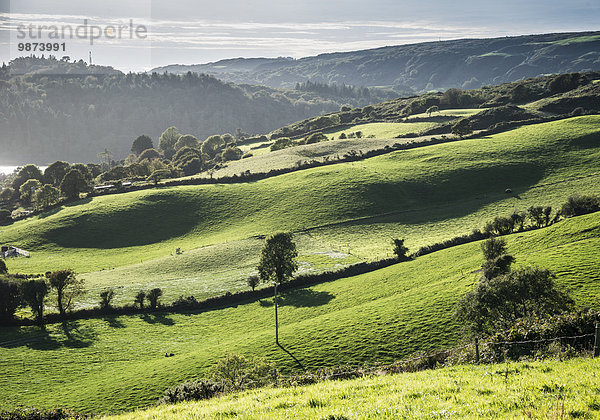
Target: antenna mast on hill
{"x":90,"y":58}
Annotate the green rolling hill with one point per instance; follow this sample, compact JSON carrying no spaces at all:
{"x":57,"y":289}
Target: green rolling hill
{"x":341,"y":213}
{"x":96,"y":365}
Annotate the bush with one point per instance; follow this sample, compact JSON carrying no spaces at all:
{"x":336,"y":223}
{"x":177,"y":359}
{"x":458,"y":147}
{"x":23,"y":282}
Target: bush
{"x":106,"y":297}
{"x":191,"y":391}
{"x":281,"y":143}
{"x":237,"y":372}
{"x":29,"y":413}
{"x":580,"y":204}
{"x":316,"y":138}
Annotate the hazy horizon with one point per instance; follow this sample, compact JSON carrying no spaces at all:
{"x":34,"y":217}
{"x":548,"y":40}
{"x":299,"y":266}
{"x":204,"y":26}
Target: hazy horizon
{"x":201,"y":32}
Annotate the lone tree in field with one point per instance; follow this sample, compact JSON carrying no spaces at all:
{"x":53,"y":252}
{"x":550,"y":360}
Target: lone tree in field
{"x":502,"y":296}
{"x":462,"y":128}
{"x":34,"y":294}
{"x":140,"y":144}
{"x":278,"y":258}
{"x":400,"y":251}
{"x":67,"y":287}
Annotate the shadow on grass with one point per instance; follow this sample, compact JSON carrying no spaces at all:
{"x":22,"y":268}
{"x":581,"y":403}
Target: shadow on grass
{"x":301,"y":298}
{"x":114,"y":322}
{"x":69,"y":334}
{"x":158,"y":318}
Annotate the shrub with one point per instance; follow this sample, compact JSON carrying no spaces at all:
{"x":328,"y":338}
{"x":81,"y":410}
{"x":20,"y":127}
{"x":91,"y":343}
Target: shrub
{"x":316,"y":138}
{"x":281,"y":143}
{"x":29,"y":413}
{"x":106,"y":297}
{"x":232,"y":153}
{"x":577,"y":205}
{"x":237,"y":372}
{"x":191,"y":391}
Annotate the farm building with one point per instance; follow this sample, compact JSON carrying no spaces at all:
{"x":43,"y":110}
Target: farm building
{"x":11,"y":251}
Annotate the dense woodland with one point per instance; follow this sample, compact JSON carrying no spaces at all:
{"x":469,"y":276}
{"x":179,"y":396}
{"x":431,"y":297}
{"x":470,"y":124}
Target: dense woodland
{"x":58,"y":110}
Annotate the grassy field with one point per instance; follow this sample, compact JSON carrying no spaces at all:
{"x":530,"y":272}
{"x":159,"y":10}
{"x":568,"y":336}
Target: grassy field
{"x":381,"y":130}
{"x":540,"y":390}
{"x":111,"y":364}
{"x":341,"y":213}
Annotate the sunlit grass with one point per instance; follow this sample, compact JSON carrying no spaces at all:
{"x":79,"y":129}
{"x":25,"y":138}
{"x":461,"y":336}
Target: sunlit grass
{"x":110,"y":364}
{"x":549,"y":389}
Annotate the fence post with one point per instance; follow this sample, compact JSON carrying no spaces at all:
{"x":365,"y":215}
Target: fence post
{"x":476,"y":350}
{"x":597,"y":341}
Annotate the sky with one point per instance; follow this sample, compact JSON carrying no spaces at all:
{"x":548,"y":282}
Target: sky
{"x":137,"y":35}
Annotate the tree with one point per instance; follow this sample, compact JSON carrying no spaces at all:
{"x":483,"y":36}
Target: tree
{"x":45,"y":197}
{"x":153,"y":296}
{"x":28,"y":189}
{"x":85,"y":170}
{"x":400,"y":251}
{"x":106,"y":297}
{"x":159,"y":174}
{"x":187,"y":140}
{"x":140,"y":144}
{"x":67,"y":287}
{"x":106,"y":158}
{"x":498,"y":302}
{"x":139,"y":299}
{"x":253,"y":281}
{"x":432,"y":109}
{"x":536,"y":215}
{"x":278,"y":258}
{"x":7,"y":195}
{"x":212,"y":145}
{"x":5,"y":217}
{"x":34,"y":294}
{"x":232,"y":153}
{"x":493,"y":247}
{"x":54,"y":173}
{"x":462,"y":128}
{"x":3,"y":268}
{"x":27,"y":172}
{"x":149,"y":154}
{"x":167,"y":141}
{"x":73,"y":184}
{"x":9,"y":300}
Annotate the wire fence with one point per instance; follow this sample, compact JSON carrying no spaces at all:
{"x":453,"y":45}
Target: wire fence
{"x":475,"y":352}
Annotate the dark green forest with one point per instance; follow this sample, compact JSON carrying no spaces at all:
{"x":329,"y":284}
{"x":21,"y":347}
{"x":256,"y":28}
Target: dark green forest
{"x":57,"y":110}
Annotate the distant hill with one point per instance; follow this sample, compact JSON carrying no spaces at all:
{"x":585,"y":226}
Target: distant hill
{"x":465,"y":63}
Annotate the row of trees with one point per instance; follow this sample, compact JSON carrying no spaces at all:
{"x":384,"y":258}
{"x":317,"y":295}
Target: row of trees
{"x":29,"y":187}
{"x":33,"y":293}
